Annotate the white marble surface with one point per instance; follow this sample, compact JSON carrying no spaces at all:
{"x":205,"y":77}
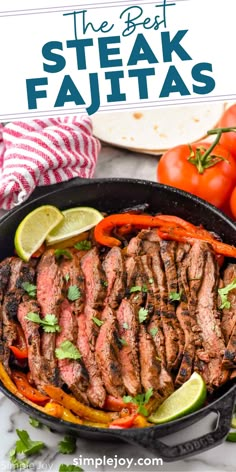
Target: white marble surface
{"x":112,"y":163}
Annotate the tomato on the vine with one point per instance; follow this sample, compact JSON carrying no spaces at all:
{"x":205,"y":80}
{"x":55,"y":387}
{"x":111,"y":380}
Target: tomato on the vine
{"x":228,"y":120}
{"x":209,"y":174}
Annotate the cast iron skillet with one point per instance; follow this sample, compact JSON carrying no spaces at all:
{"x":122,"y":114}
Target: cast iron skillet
{"x":112,"y":195}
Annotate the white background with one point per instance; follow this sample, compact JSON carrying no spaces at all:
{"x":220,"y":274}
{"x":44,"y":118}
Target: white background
{"x":210,"y":38}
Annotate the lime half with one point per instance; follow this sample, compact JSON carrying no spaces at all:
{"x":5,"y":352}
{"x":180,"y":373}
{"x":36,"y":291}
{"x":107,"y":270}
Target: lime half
{"x":187,"y":399}
{"x":76,"y":221}
{"x":33,"y":229}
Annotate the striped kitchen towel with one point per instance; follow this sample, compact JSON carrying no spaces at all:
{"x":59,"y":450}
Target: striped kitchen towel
{"x":43,"y":152}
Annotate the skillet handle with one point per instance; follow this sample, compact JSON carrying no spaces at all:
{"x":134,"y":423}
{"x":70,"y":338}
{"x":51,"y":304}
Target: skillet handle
{"x":149,"y":439}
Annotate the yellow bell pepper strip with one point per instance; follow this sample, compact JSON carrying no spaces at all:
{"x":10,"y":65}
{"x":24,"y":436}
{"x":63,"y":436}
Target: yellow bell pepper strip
{"x":77,"y":407}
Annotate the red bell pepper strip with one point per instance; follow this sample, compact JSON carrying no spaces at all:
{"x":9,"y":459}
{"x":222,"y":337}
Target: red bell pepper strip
{"x":19,"y":353}
{"x":39,"y":251}
{"x":23,"y":387}
{"x":102,"y":231}
{"x":125,"y":422}
{"x":181,"y":235}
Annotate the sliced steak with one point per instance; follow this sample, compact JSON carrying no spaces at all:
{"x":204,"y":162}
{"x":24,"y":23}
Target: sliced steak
{"x":229,"y":361}
{"x":114,"y":268}
{"x":20,"y":272}
{"x":186,"y":321}
{"x":150,"y":364}
{"x":229,"y":314}
{"x":168,"y":254}
{"x":136,"y":280}
{"x":213,"y":345}
{"x":128,"y":331}
{"x":73,"y":276}
{"x":107,"y":354}
{"x":38,"y":365}
{"x":95,"y":280}
{"x":72,"y":372}
{"x":5,"y":271}
{"x":95,"y":292}
{"x":49,"y":295}
{"x":95,"y":392}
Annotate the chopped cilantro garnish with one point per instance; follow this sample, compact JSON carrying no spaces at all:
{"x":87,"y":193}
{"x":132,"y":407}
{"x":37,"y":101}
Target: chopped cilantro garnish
{"x":223,"y":292}
{"x":138,"y":288}
{"x":125,"y":326}
{"x":73,"y":293}
{"x":34,"y":422}
{"x":175,"y":296}
{"x":142,"y":315}
{"x":49,"y":323}
{"x":67,"y":445}
{"x":123,"y":341}
{"x":30,"y":289}
{"x":59,"y":253}
{"x":70,"y":468}
{"x":153,"y":331}
{"x":140,"y":400}
{"x":67,"y":350}
{"x":84,"y":245}
{"x":97,"y":321}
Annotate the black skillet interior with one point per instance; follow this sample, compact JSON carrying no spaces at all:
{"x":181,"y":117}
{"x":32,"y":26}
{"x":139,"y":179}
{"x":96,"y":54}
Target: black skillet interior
{"x":112,"y":195}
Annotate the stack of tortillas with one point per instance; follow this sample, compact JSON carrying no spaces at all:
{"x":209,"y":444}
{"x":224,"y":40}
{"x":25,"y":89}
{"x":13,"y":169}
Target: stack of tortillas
{"x":153,"y":131}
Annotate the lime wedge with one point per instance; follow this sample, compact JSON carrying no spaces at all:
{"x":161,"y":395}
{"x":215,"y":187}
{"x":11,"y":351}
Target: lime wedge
{"x":76,"y":221}
{"x":33,"y":229}
{"x":187,"y":399}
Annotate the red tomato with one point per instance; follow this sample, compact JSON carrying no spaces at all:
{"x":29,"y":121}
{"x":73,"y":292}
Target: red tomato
{"x":228,"y":120}
{"x":233,"y":203}
{"x":213,"y":183}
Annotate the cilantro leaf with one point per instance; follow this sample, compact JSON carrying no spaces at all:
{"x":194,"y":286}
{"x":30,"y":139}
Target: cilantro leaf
{"x":97,"y":321}
{"x":49,"y":323}
{"x":67,"y":350}
{"x":18,"y":463}
{"x":153,"y":331}
{"x":70,"y":468}
{"x":151,"y":280}
{"x":26,"y":445}
{"x":142,"y":315}
{"x":104,"y":283}
{"x":73,"y":293}
{"x":123,"y":341}
{"x":175,"y":296}
{"x":67,"y":445}
{"x":67,"y":277}
{"x":126,"y":326}
{"x":59,"y":253}
{"x":34,"y":422}
{"x":84,"y":245}
{"x":30,"y":289}
{"x":138,"y":288}
{"x":140,"y":400}
{"x":223,"y":292}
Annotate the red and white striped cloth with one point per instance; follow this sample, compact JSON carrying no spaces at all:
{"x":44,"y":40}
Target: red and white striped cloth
{"x":42,"y":152}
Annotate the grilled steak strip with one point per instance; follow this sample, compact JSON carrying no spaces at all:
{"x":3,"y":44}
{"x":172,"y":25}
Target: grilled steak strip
{"x":107,"y":354}
{"x":150,"y":364}
{"x":38,"y":364}
{"x":49,"y":296}
{"x":95,"y":391}
{"x":73,"y":276}
{"x":229,"y":314}
{"x":5,"y":271}
{"x":72,"y":372}
{"x":128,"y":331}
{"x":186,"y":321}
{"x":95,"y":292}
{"x":20,"y":272}
{"x":114,"y":268}
{"x":154,"y":328}
{"x":208,"y":320}
{"x":168,"y":250}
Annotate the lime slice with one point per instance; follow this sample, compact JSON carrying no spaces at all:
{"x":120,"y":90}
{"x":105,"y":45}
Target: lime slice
{"x":233,"y":422}
{"x":33,"y":229}
{"x":187,"y":399}
{"x":76,"y":221}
